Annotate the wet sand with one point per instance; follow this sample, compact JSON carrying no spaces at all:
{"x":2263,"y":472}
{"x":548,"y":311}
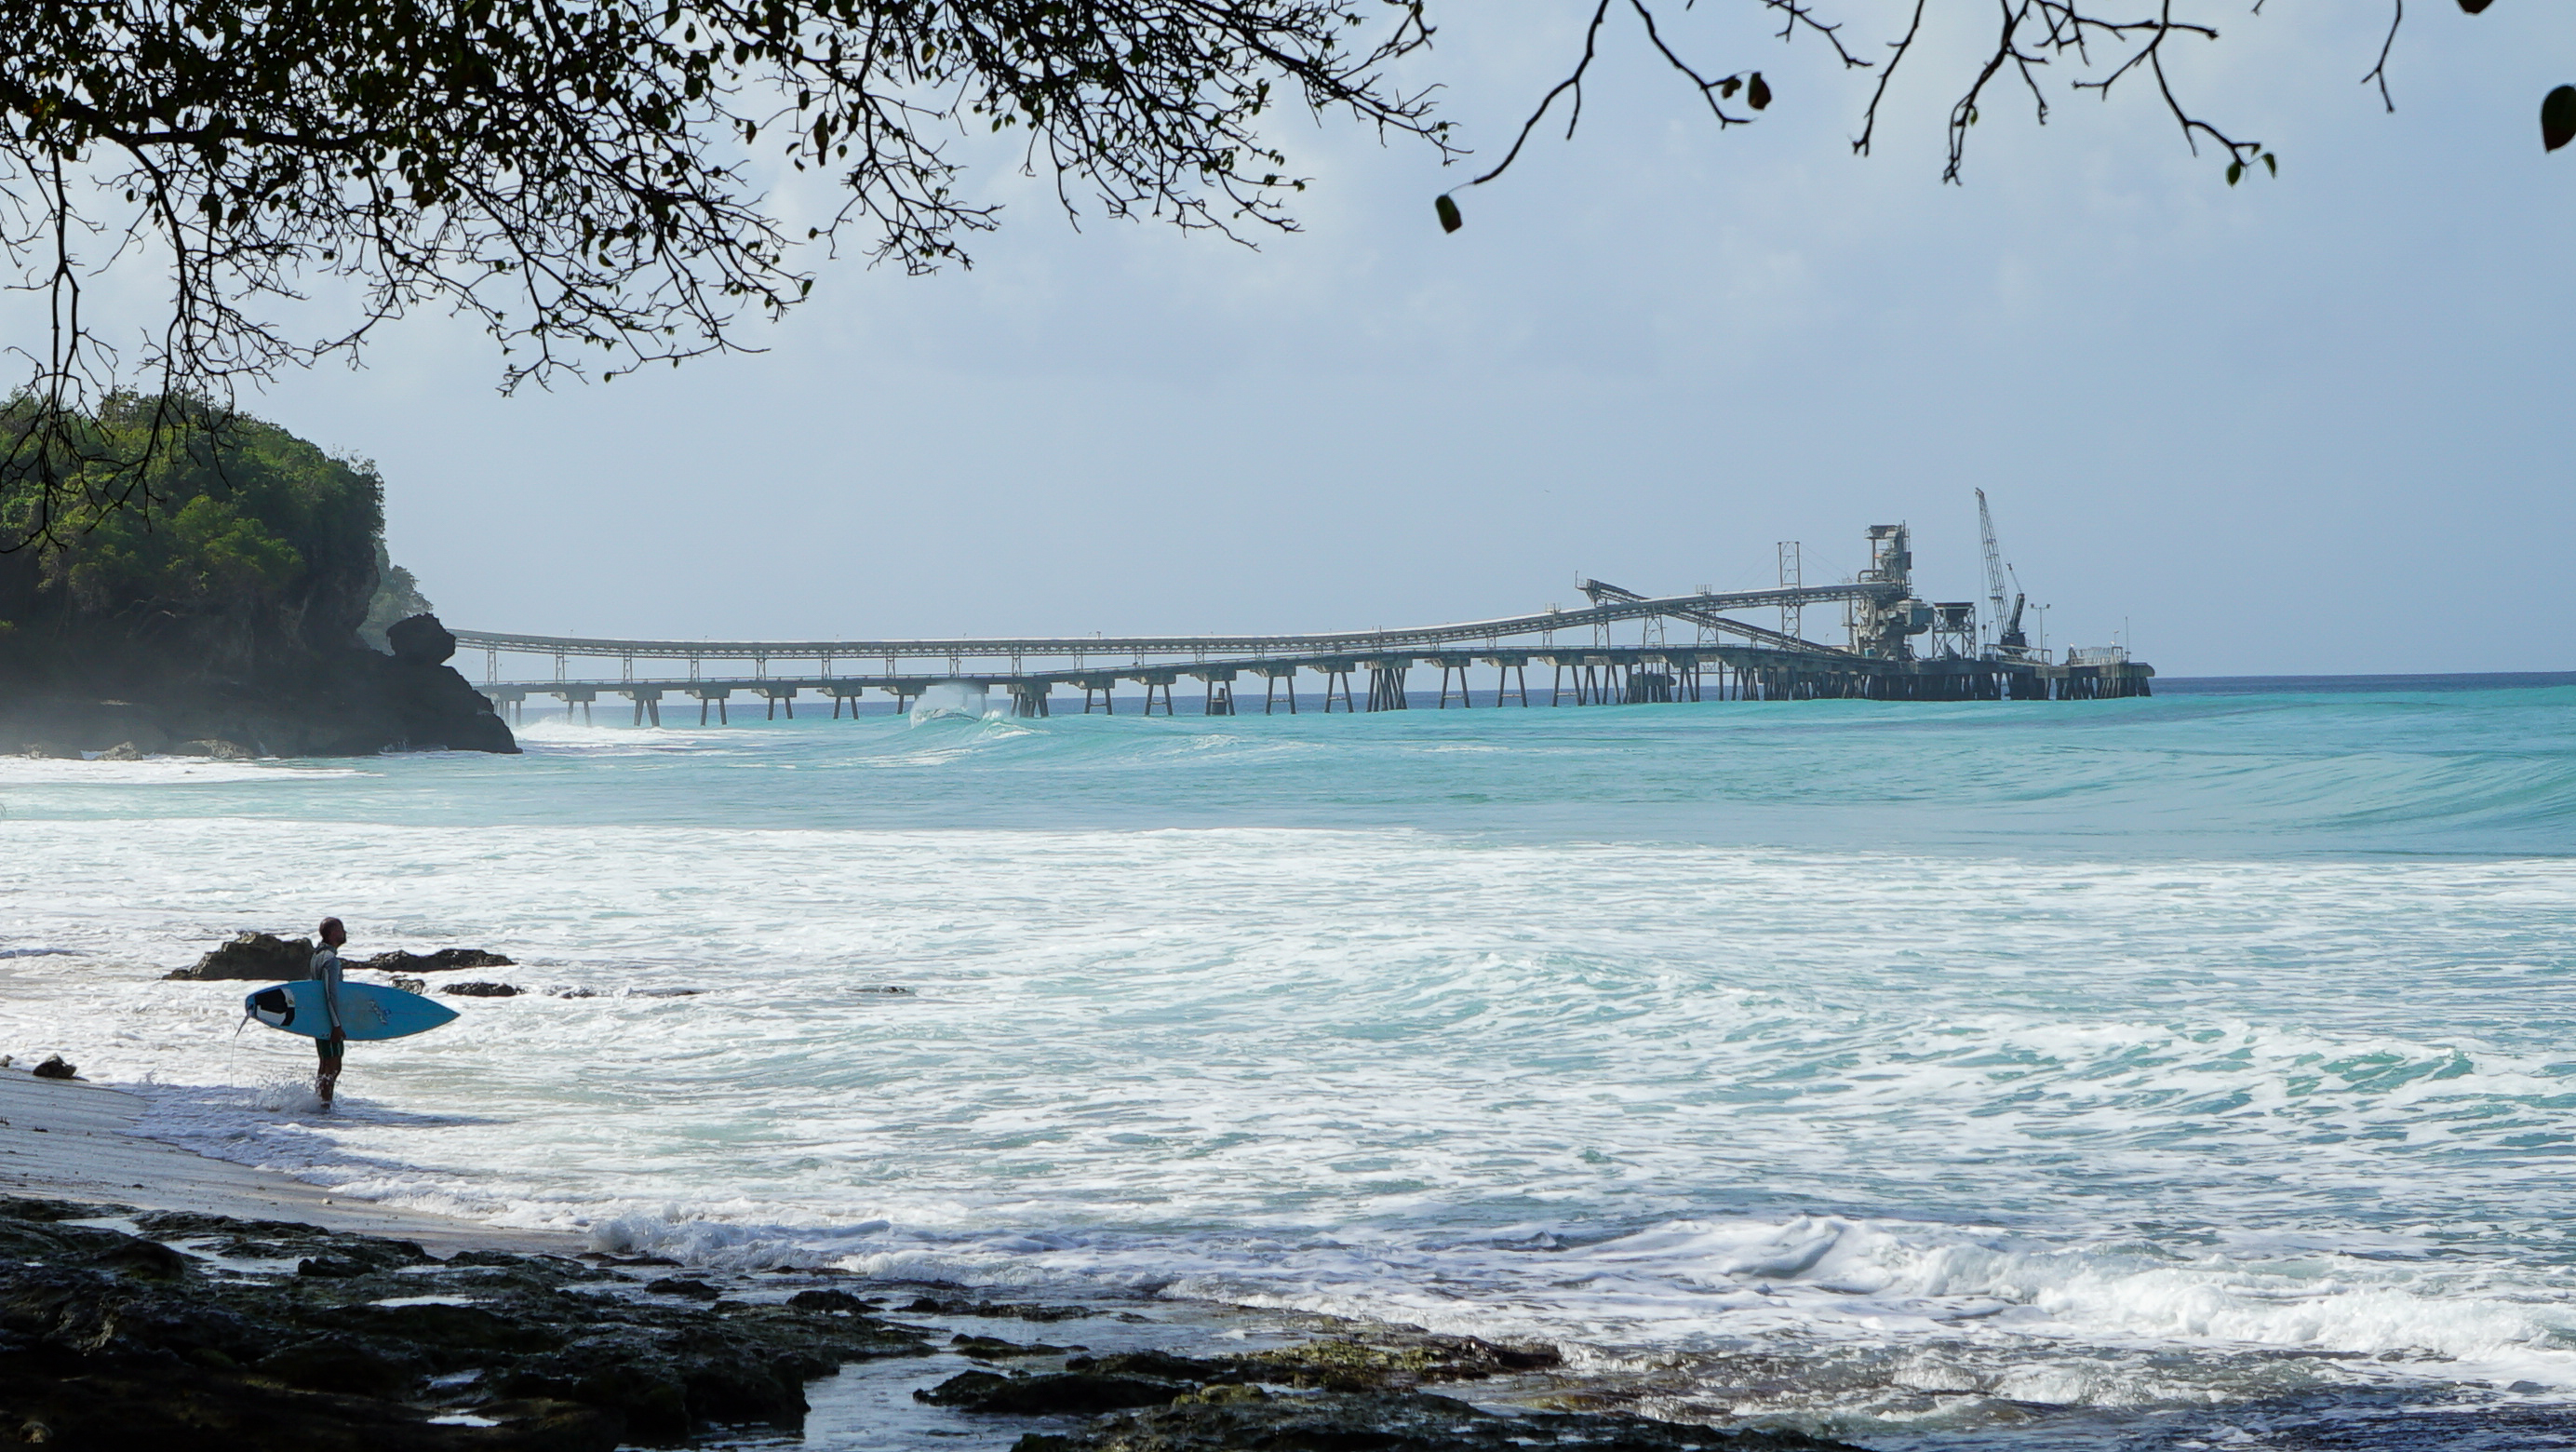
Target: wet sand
{"x":72,"y":1140}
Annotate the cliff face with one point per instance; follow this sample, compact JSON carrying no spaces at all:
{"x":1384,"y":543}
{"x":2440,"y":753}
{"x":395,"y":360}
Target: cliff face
{"x":350,"y":703}
{"x":227,"y":610}
{"x":242,"y":681}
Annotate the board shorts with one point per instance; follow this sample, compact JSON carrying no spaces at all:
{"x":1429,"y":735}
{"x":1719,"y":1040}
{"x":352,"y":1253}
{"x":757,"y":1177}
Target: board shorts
{"x":331,"y":1053}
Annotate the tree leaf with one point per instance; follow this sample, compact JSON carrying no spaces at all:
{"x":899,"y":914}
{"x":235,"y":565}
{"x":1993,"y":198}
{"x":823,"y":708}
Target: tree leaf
{"x":2271,"y":163}
{"x":2558,"y":118}
{"x":1757,"y":92}
{"x":2235,"y":172}
{"x":2475,"y":6}
{"x":1450,"y":221}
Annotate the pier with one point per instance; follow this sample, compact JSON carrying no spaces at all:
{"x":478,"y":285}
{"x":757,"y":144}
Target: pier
{"x":1621,"y":648}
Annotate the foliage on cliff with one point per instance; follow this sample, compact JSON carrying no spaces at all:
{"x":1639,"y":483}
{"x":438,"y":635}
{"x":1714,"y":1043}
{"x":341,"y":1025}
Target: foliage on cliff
{"x":254,"y":542}
{"x":398,"y":597}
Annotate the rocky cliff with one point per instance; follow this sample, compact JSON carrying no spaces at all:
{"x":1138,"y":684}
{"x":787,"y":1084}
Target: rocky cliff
{"x":346,"y":702}
{"x":216,"y":609}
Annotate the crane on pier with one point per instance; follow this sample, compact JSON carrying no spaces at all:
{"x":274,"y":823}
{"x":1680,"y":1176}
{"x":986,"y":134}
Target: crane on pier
{"x":2010,"y":641}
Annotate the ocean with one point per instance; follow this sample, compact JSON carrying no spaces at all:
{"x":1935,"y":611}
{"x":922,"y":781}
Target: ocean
{"x":2191,"y":1071}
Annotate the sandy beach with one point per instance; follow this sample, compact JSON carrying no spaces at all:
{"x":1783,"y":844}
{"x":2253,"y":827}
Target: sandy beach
{"x":68,"y":1139}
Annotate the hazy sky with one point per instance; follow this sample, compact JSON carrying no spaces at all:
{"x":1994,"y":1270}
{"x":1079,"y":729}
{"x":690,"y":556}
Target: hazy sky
{"x":2312,"y":424}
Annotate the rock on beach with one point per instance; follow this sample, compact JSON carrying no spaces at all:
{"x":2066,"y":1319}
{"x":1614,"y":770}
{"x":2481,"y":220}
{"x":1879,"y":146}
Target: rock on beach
{"x":111,"y":1339}
{"x":1403,"y":1422}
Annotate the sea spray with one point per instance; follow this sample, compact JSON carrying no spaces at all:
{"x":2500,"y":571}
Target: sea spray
{"x":952,"y":699}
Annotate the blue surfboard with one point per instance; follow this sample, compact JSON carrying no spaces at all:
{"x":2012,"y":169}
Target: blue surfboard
{"x":366,"y":1011}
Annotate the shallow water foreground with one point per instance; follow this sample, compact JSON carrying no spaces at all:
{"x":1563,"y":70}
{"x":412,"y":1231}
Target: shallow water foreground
{"x":2110,"y":1074}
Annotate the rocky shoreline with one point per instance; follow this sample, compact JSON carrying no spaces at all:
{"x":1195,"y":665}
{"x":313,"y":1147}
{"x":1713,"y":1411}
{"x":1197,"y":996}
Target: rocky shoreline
{"x":142,"y":1329}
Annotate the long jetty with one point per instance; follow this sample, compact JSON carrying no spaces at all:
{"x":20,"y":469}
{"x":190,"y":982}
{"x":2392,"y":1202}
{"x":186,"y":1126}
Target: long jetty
{"x":1684,"y":648}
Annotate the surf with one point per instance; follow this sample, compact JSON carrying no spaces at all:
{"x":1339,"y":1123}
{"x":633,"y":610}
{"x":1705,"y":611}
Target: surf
{"x":2198,"y":1049}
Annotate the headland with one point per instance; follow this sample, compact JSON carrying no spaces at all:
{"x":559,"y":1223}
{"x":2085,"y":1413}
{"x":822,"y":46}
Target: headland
{"x":205,"y":595}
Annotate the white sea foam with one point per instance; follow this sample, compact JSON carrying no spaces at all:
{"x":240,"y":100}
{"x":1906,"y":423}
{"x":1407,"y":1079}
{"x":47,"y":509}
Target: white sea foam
{"x":961,"y":700}
{"x":174,"y":771}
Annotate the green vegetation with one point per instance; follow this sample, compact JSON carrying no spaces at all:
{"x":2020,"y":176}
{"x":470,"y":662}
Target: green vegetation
{"x":227,"y":515}
{"x":398,"y":597}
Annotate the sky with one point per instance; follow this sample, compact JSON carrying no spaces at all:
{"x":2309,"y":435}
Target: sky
{"x":2312,"y":424}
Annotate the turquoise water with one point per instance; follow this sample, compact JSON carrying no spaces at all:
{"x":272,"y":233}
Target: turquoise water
{"x":2051,"y":1073}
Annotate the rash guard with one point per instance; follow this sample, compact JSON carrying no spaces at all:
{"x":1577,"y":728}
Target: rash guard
{"x":326,"y":968}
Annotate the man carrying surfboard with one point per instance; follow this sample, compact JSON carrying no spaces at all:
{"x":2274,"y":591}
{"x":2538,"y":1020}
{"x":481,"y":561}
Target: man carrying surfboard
{"x":330,"y":1012}
{"x":326,"y":969}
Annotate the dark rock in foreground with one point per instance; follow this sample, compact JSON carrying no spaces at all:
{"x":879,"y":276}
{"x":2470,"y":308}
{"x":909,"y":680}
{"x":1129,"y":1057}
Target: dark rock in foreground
{"x":1233,"y":1419}
{"x":110,"y":1340}
{"x":1016,"y":1310}
{"x":1369,"y":1401}
{"x":194,"y":1335}
{"x":1392,"y":1361}
{"x":831,"y":1300}
{"x":993,"y":1348}
{"x":482,"y":990}
{"x":1080,"y":1393}
{"x":1167,"y":1365}
{"x":56,"y":1067}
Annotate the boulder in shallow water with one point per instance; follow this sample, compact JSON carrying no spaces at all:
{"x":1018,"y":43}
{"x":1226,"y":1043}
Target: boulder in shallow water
{"x":993,"y":1348}
{"x":481,"y":989}
{"x":827,"y":1299}
{"x":1078,"y":1393}
{"x":54,"y":1067}
{"x":265,"y":958}
{"x":1153,"y":1362}
{"x":1016,"y":1310}
{"x":445,"y":960}
{"x":254,"y":957}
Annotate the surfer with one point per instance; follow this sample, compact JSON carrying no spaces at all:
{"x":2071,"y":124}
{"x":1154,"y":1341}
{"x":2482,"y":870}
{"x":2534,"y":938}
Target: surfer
{"x":326,"y":969}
